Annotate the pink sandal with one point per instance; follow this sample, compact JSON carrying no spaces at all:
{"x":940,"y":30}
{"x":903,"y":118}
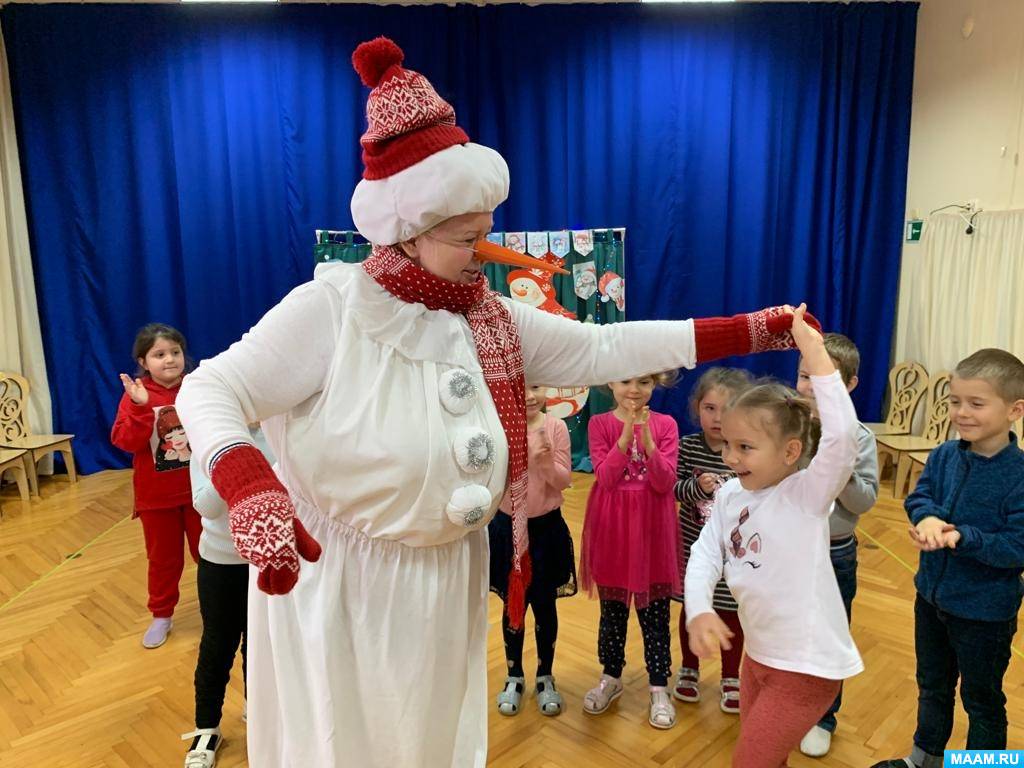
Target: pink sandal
{"x":599,"y":698}
{"x":663,"y":712}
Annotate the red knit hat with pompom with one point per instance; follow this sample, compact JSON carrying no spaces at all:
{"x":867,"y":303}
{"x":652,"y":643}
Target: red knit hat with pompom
{"x":407,"y":120}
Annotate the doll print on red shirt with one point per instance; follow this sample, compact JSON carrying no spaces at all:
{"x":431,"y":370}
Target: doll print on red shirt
{"x":169,"y":442}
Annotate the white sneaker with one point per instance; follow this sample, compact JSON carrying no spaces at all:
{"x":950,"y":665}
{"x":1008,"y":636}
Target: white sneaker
{"x":817,"y":742}
{"x":156,"y":634}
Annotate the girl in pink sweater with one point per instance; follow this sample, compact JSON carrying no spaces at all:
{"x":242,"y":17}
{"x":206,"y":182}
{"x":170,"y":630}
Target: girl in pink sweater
{"x":551,"y":555}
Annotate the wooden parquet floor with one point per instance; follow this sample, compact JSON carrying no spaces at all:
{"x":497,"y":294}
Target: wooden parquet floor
{"x":78,"y":689}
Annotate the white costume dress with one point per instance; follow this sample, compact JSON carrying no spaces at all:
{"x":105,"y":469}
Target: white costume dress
{"x":377,"y":657}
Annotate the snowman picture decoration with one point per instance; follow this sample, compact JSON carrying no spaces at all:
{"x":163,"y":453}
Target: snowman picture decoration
{"x":613,"y":288}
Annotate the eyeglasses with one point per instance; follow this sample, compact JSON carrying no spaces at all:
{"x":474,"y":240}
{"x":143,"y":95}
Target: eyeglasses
{"x":461,"y":246}
{"x":486,"y":251}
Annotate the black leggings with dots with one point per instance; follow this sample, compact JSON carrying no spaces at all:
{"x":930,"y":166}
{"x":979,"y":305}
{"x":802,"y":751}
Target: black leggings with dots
{"x":545,"y":620}
{"x":654,"y":625}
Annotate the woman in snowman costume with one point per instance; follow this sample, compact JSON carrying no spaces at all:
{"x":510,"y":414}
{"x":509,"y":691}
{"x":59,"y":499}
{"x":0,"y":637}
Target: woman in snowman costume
{"x":392,"y":393}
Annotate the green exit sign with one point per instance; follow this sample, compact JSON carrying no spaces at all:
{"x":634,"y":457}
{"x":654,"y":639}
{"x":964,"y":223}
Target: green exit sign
{"x":914,"y":227}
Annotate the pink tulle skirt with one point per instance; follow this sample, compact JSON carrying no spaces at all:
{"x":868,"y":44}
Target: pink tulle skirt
{"x":630,"y":545}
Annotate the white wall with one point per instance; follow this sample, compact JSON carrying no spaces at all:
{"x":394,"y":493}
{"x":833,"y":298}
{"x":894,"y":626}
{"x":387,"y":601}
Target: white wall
{"x":966,"y":133}
{"x":968,"y":98}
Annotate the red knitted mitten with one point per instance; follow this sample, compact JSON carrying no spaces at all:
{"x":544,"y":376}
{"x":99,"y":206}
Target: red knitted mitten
{"x":262,"y":518}
{"x":766,"y":330}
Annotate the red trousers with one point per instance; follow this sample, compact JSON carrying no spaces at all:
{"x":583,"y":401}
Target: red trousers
{"x":776,"y":709}
{"x":730,"y":658}
{"x":164,"y":530}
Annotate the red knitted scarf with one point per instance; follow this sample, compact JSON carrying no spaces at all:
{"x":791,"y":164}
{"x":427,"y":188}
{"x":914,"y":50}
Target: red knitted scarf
{"x":501,"y":357}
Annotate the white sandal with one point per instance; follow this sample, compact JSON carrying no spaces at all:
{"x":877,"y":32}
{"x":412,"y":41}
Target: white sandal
{"x":549,"y":700}
{"x":511,"y":698}
{"x":730,"y":703}
{"x":600,"y":697}
{"x":203,"y":753}
{"x":687,"y":685}
{"x":663,"y":711}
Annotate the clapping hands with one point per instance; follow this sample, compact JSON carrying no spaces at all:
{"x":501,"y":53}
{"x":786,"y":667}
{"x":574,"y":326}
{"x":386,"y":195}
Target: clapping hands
{"x":932,"y":534}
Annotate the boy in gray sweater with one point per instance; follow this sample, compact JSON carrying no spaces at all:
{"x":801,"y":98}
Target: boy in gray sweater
{"x":856,"y":498}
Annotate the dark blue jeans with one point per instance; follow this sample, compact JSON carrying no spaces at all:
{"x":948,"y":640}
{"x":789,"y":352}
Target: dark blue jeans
{"x":844,"y":563}
{"x":977,"y":652}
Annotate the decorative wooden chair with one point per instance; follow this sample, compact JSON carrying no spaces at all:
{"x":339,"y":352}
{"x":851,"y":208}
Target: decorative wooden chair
{"x":13,"y":461}
{"x":16,"y":434}
{"x":907,"y":384}
{"x":917,"y":461}
{"x":893,"y":448}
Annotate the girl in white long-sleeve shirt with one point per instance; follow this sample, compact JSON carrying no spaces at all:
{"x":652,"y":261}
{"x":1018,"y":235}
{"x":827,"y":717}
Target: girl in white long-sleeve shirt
{"x":768,"y":536}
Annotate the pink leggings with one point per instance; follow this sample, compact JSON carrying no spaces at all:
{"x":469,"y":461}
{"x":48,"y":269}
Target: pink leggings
{"x":776,"y":709}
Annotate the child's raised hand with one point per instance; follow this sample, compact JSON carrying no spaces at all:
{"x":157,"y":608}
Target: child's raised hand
{"x":135,"y":389}
{"x":803,"y":334}
{"x":630,"y":417}
{"x":626,"y":437}
{"x":707,"y":632}
{"x":811,"y":345}
{"x":708,"y":482}
{"x":648,"y":438}
{"x":641,"y":415}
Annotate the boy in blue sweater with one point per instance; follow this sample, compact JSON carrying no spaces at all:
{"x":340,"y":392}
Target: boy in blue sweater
{"x":967,"y":516}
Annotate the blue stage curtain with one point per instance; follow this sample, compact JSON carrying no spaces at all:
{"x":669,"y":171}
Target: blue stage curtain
{"x":177,"y":160}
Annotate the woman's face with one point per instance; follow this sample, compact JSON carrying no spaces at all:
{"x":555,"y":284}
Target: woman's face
{"x":447,"y":250}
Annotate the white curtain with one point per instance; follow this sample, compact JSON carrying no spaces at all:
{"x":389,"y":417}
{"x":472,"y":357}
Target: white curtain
{"x":960,"y":293}
{"x":21,"y":341}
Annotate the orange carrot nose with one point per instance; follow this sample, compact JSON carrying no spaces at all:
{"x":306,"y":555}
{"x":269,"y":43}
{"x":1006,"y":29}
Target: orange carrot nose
{"x":487,"y":251}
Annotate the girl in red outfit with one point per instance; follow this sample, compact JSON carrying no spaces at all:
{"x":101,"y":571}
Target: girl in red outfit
{"x":148,"y":427}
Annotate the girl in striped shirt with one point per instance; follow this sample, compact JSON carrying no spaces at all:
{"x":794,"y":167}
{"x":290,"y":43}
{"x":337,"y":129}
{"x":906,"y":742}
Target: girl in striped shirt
{"x":699,"y":473}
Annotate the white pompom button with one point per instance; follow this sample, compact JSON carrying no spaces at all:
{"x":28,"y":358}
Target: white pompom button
{"x":469,"y":506}
{"x":474,"y":449}
{"x":458,"y":391}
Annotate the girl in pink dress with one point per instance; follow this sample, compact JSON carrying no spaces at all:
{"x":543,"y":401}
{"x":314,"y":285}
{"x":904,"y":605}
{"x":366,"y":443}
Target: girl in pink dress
{"x":630,"y":539}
